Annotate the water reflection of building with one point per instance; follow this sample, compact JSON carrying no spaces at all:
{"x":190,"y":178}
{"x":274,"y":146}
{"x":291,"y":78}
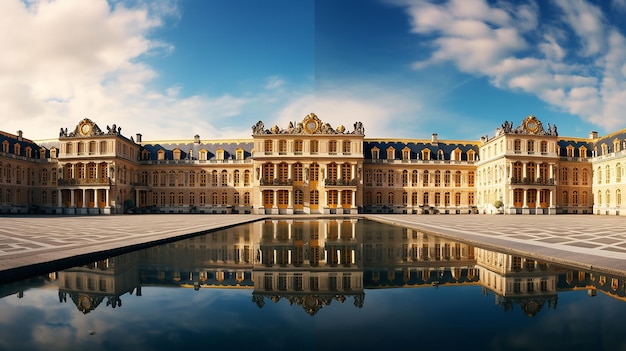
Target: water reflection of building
{"x":309,"y":263}
{"x":398,"y":257}
{"x":106,"y":280}
{"x":519,"y":281}
{"x":313,"y":263}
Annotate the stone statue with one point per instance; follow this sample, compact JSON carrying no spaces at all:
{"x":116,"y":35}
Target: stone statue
{"x":258,"y":128}
{"x":358,"y":128}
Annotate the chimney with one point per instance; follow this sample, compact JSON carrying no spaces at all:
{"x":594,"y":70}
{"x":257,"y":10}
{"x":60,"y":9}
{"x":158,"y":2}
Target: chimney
{"x":138,"y":138}
{"x":593,"y":135}
{"x":196,"y":139}
{"x":19,"y":135}
{"x":434,"y":138}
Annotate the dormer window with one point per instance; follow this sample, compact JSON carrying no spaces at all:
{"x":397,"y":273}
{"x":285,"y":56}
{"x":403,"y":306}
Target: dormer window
{"x":203,"y":155}
{"x":456,"y":154}
{"x":375,"y":153}
{"x":239,"y":154}
{"x":17,"y":148}
{"x":219,"y":154}
{"x":391,"y":153}
{"x":426,"y":154}
{"x":161,"y":155}
{"x":176,"y":154}
{"x":406,"y":153}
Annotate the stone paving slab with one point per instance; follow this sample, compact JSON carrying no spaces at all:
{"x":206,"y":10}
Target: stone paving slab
{"x":32,"y":241}
{"x":586,"y":241}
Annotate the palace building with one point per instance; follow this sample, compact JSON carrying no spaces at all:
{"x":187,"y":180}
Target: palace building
{"x":312,"y":167}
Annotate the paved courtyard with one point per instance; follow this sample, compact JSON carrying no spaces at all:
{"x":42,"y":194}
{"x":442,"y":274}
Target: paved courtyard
{"x":581,"y":240}
{"x":28,"y":242}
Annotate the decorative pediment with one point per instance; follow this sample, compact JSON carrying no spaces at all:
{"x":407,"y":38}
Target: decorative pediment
{"x":87,"y":127}
{"x":310,"y":124}
{"x":311,"y":303}
{"x":529,"y":126}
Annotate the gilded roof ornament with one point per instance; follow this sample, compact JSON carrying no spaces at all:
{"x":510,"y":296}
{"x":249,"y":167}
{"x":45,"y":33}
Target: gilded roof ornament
{"x":531,"y":125}
{"x":310,"y":124}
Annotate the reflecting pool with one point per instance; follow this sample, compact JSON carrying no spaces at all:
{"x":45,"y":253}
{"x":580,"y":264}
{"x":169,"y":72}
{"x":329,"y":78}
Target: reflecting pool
{"x":315,"y":285}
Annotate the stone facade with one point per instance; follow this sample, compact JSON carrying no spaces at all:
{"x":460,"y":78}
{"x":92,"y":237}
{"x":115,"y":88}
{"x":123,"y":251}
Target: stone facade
{"x":313,"y":167}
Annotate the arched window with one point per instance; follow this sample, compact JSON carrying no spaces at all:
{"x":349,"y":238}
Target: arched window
{"x":236,"y":178}
{"x":224,"y":178}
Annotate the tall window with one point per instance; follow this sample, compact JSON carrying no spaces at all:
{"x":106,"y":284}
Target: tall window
{"x":346,"y":172}
{"x":246,"y":178}
{"x":315,"y":146}
{"x":332,"y":171}
{"x":314,"y":197}
{"x":224,"y":178}
{"x":282,"y":147}
{"x":214,"y":178}
{"x":298,"y":197}
{"x":236,"y":178}
{"x":283,"y":171}
{"x":268,"y":172}
{"x":297,"y":172}
{"x":332,"y":147}
{"x":297,"y":146}
{"x":346,"y":147}
{"x":314,"y":172}
{"x":269,"y":146}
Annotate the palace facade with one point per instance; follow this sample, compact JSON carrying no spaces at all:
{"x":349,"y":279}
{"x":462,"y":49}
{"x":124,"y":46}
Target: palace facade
{"x":312,"y":167}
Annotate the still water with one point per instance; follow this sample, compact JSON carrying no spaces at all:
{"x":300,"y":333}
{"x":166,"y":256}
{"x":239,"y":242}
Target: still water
{"x":315,"y":285}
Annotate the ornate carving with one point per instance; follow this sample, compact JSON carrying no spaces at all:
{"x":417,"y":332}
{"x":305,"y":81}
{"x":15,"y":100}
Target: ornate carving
{"x":529,"y":126}
{"x":310,"y":303}
{"x":87,"y":127}
{"x":310,"y":124}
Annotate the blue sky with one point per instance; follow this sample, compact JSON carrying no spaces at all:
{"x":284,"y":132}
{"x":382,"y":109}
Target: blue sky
{"x":405,"y":68}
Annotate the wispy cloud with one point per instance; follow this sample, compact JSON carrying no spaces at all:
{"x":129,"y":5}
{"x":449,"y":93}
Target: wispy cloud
{"x":575,"y":62}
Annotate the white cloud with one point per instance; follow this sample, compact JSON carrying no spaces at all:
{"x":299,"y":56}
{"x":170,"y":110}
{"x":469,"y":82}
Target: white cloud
{"x":577,"y":65}
{"x":66,"y":60}
{"x":384,"y":111}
